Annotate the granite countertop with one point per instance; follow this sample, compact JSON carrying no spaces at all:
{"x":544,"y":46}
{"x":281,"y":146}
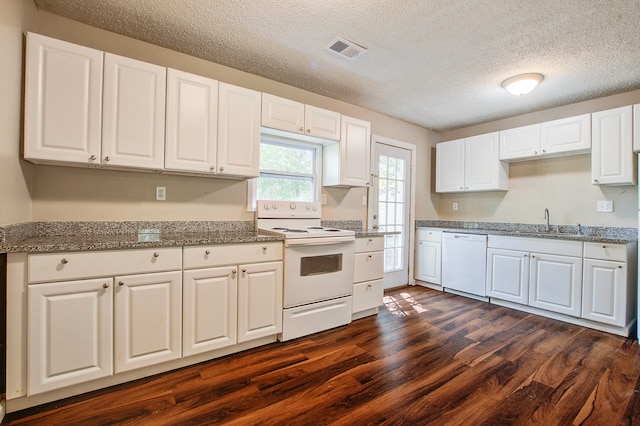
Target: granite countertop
{"x":613,"y":235}
{"x":42,"y":237}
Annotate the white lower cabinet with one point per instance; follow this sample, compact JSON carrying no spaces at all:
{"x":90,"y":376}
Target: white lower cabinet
{"x":147,"y":320}
{"x":259,"y":300}
{"x":555,"y":283}
{"x":609,"y":287}
{"x":368,"y":271}
{"x":210,"y":300}
{"x":429,"y":256}
{"x":70,"y":333}
{"x":508,"y":275}
{"x":234,"y":295}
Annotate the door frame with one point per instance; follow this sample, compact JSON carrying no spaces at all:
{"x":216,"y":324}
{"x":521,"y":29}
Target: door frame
{"x":412,"y":195}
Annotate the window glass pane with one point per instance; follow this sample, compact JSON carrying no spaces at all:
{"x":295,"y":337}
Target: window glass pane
{"x":286,"y":158}
{"x":285,"y":188}
{"x":382,"y":167}
{"x":391,"y":190}
{"x":382,"y":191}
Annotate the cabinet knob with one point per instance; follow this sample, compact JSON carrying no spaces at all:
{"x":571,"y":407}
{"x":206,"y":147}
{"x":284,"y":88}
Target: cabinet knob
{"x":604,"y":246}
{"x":92,"y":158}
{"x":107,"y":158}
{"x":525,"y":255}
{"x":233,"y":273}
{"x":302,"y":129}
{"x":120,"y":283}
{"x":264,"y":249}
{"x":212,"y":169}
{"x":544,"y":150}
{"x":532,"y":256}
{"x":308,"y":130}
{"x":595,"y":181}
{"x":461,"y":188}
{"x":369,"y":257}
{"x":207,"y":252}
{"x":244,"y":271}
{"x":105,"y":285}
{"x":619,"y":266}
{"x":535,"y":152}
{"x":370,"y":240}
{"x":64,"y":261}
{"x":156,"y":254}
{"x":221,"y":169}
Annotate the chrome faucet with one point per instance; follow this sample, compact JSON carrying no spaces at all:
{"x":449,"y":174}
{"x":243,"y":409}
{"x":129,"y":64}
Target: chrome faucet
{"x":547,"y":216}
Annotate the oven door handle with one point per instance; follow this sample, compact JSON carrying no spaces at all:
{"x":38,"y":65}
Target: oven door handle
{"x":320,"y":241}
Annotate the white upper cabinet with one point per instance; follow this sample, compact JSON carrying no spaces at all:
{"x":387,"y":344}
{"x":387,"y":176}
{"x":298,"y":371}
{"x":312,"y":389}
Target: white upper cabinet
{"x":612,"y":159}
{"x":519,"y":143}
{"x":291,"y":116}
{"x":636,"y":128}
{"x":63,"y":101}
{"x":471,"y":164}
{"x":192,"y":122}
{"x":347,"y":163}
{"x":238,"y":131}
{"x":134,"y":112}
{"x":567,"y":136}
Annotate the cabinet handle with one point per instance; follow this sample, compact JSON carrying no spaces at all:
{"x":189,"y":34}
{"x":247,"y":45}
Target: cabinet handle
{"x":244,"y":271}
{"x":221,"y":169}
{"x":93,"y":157}
{"x":233,"y":273}
{"x":368,"y":285}
{"x":302,"y":129}
{"x":156,"y":254}
{"x":525,"y":255}
{"x":264,"y":249}
{"x":105,"y":285}
{"x":212,"y":169}
{"x":619,"y":266}
{"x":107,"y":158}
{"x":604,"y":246}
{"x":308,"y":130}
{"x":120,"y":283}
{"x":64,"y":261}
{"x":370,"y":240}
{"x":595,"y":181}
{"x":544,"y":150}
{"x":369,"y":256}
{"x":461,"y":188}
{"x":535,"y":152}
{"x":533,"y":257}
{"x":207,"y":252}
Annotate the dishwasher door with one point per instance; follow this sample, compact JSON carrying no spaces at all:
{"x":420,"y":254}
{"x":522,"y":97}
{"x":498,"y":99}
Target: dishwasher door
{"x":464,"y":262}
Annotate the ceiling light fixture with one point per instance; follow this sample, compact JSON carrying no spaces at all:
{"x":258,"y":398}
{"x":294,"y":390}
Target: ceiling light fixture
{"x":522,"y":84}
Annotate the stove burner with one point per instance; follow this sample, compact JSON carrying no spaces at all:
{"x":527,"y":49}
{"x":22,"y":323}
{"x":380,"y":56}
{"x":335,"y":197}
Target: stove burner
{"x":315,"y":227}
{"x":333,"y":230}
{"x":296,"y":230}
{"x":280,"y":229}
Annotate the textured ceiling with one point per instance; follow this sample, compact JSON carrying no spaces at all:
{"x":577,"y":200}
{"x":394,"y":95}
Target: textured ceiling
{"x":436,"y":63}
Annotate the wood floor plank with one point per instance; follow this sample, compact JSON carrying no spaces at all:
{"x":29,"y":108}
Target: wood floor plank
{"x":427,"y":358}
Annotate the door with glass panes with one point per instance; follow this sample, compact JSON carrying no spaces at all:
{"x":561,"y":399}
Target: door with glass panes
{"x":390,"y":206}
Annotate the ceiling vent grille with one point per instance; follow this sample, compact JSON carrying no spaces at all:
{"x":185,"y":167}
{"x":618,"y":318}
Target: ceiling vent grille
{"x":345,"y":48}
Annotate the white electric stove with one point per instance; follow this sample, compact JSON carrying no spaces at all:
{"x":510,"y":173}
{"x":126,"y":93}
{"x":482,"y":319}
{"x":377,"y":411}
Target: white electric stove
{"x":318,"y":267}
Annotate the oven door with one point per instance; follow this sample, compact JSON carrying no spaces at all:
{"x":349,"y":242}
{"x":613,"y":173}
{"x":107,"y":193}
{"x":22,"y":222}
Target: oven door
{"x":317,"y":269}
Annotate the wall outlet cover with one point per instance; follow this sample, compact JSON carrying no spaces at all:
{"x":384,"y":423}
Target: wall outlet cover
{"x":454,"y":206}
{"x":161,"y":193}
{"x":604,"y":206}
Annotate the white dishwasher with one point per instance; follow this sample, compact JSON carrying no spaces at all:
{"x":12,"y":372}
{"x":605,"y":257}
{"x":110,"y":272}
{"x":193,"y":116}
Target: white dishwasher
{"x":464,"y":262}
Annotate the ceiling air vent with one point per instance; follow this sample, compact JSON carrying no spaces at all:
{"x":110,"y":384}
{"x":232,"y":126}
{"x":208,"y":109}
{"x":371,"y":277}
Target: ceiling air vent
{"x":346,"y":48}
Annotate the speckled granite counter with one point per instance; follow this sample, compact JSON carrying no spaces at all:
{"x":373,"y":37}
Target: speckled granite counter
{"x":41,"y":237}
{"x":564,"y":232}
{"x":80,"y":236}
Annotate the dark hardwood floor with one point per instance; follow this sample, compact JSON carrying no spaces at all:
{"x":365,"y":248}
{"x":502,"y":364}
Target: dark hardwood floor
{"x":427,"y":358}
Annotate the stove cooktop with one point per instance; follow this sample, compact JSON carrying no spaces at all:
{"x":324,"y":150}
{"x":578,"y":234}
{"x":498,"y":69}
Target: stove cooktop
{"x":306,"y":232}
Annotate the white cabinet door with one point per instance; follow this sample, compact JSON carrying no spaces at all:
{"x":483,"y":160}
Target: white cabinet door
{"x":210,"y":300}
{"x":346,"y":163}
{"x":192,"y":122}
{"x":555,"y":283}
{"x":519,"y":143}
{"x":134,"y":113}
{"x":482,"y":169}
{"x":259,"y":300}
{"x":238,"y":131}
{"x":604,"y":292}
{"x":450,"y":166}
{"x":612,"y":158}
{"x":70,"y":333}
{"x":63,"y":101}
{"x":283,"y":114}
{"x":148,"y":318}
{"x":323,"y":123}
{"x":636,"y":128}
{"x":429,"y":261}
{"x":508,"y":275}
{"x":571,"y":134}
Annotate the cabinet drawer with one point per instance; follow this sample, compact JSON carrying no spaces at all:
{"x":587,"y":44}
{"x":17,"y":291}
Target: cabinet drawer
{"x":231,"y":254}
{"x":429,"y":234}
{"x":537,"y":245}
{"x":369,"y":244}
{"x":606,"y":251}
{"x":368,"y":266}
{"x":63,"y":266}
{"x":367,"y":295}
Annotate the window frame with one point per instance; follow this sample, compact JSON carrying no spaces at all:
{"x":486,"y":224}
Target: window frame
{"x":316,"y":175}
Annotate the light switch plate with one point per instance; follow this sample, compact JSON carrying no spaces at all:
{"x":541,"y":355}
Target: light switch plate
{"x":605,"y":206}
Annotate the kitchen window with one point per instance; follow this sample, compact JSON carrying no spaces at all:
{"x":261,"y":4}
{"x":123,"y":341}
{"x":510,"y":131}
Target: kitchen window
{"x":289,"y":171}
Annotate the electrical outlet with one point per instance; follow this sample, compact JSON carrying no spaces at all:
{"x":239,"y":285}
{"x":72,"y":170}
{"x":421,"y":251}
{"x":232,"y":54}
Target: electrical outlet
{"x":605,"y":206}
{"x":161,"y":193}
{"x":454,"y":206}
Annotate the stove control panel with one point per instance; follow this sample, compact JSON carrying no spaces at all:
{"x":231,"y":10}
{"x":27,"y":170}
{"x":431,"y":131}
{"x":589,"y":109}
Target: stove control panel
{"x":288,"y":209}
